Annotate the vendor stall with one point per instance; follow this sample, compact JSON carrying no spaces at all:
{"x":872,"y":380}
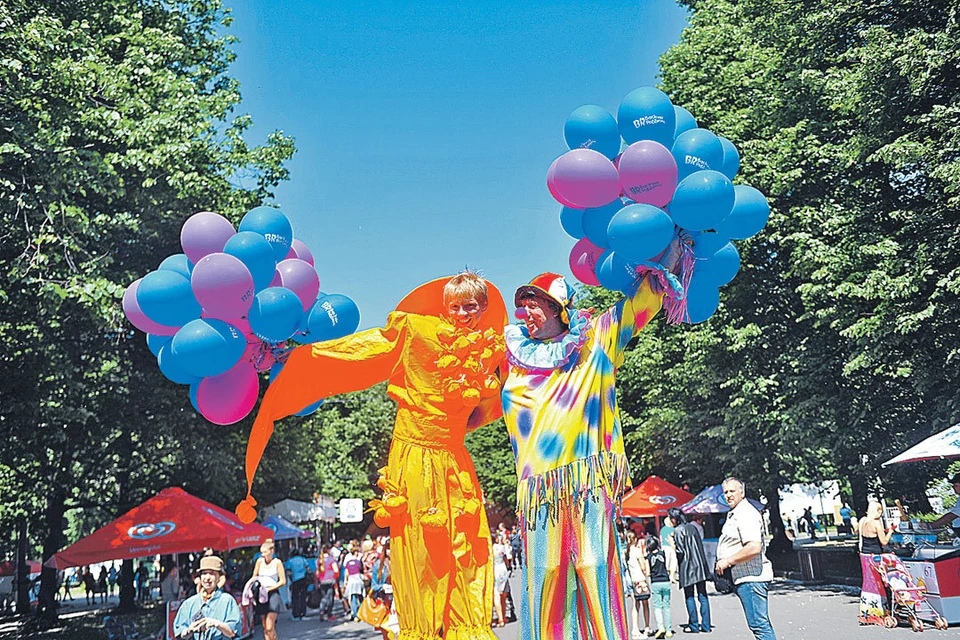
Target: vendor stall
{"x":938,"y":570}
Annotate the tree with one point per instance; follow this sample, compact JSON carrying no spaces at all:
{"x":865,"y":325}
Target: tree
{"x":836,"y":346}
{"x":116,"y":125}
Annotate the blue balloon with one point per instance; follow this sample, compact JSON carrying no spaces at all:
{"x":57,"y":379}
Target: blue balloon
{"x":748,"y":217}
{"x":639,"y":232}
{"x":592,"y":127}
{"x":332,"y":316}
{"x":172,"y":368}
{"x":572,"y":222}
{"x":720,"y":268}
{"x":208,"y":347}
{"x":275,"y":314}
{"x":731,"y":158}
{"x":596,"y":221}
{"x":647,"y":114}
{"x":253,"y":250}
{"x":697,"y":150}
{"x":707,"y":243}
{"x":154,"y":343}
{"x":685,"y":121}
{"x":703,"y":298}
{"x":274,"y":372}
{"x":702,"y":200}
{"x":167,"y":298}
{"x":615,"y":273}
{"x":272,"y":225}
{"x":178,"y":263}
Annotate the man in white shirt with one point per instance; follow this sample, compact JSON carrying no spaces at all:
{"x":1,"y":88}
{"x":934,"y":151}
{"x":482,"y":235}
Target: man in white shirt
{"x":741,"y":549}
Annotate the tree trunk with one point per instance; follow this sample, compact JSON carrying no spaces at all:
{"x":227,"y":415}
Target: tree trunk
{"x":22,"y":576}
{"x":47,"y":601}
{"x":128,"y":598}
{"x":780,"y":542}
{"x":858,"y":486}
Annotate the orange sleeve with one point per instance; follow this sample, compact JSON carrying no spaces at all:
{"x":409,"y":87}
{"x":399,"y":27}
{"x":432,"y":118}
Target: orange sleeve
{"x":321,"y":370}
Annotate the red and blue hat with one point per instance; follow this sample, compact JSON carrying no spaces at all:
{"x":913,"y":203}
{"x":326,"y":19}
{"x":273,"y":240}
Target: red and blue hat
{"x":554,"y":287}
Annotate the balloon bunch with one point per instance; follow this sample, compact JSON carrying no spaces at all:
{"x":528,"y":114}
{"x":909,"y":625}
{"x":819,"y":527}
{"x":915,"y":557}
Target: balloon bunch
{"x":226,"y":308}
{"x":622,"y":200}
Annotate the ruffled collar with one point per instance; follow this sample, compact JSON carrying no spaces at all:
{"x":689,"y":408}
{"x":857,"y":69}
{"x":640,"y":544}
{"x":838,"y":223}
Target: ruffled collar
{"x":544,"y":356}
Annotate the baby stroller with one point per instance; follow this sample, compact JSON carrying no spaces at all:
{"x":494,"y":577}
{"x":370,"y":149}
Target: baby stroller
{"x":907,"y":600}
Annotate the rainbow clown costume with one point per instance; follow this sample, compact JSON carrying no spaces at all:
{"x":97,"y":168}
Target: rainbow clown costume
{"x":560,"y":406}
{"x":445,"y":378}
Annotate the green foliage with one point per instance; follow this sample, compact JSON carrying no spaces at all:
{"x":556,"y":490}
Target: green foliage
{"x":493,"y":457}
{"x":836,"y":346}
{"x":116,"y":124}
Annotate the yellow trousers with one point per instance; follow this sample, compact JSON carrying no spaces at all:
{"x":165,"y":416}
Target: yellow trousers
{"x":442,"y":565}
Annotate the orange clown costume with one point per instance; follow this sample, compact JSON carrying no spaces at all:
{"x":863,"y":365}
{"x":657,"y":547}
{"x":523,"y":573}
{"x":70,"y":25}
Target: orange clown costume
{"x":445,"y":380}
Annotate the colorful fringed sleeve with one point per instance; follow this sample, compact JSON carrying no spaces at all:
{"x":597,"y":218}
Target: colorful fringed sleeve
{"x":321,"y":370}
{"x":624,"y":320}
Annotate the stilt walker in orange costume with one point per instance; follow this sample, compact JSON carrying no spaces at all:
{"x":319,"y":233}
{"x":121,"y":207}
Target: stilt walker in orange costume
{"x":440,"y":353}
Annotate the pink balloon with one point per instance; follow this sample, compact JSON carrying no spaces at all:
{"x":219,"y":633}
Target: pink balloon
{"x":552,"y":187}
{"x":648,"y":173}
{"x":302,"y":251}
{"x":223,"y":286}
{"x":205,"y":233}
{"x":586,"y":178}
{"x":583,"y":261}
{"x":131,"y":309}
{"x":302,"y":279}
{"x":229,"y":397}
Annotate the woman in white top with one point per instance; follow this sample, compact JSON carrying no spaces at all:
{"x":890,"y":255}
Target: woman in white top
{"x":640,"y":578}
{"x":501,"y":547}
{"x":269,"y":566}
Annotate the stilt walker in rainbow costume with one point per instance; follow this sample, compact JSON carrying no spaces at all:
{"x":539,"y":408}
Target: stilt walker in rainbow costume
{"x":560,"y":406}
{"x":440,"y":352}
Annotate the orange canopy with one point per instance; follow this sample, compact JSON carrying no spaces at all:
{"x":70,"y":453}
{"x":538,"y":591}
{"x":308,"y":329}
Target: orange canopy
{"x":652,"y":497}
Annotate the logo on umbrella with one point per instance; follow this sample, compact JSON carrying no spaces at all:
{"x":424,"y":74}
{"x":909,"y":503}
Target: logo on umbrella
{"x":662,"y":499}
{"x":146,"y":530}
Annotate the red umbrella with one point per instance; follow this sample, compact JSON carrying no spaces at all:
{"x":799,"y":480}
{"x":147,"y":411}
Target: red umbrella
{"x":652,"y":497}
{"x":173,"y":521}
{"x":8,"y":567}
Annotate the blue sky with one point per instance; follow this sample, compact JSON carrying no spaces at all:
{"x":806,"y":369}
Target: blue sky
{"x":425,"y":129}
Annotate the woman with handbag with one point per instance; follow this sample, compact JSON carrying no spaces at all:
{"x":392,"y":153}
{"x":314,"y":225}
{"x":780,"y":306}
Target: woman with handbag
{"x":637,"y":569}
{"x":873,"y":538}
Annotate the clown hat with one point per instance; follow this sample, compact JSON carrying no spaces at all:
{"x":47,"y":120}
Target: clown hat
{"x":554,"y":287}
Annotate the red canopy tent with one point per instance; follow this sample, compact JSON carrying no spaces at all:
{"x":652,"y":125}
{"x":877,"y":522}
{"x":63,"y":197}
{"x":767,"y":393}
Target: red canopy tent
{"x":652,"y":497}
{"x":8,"y":567}
{"x":173,"y":521}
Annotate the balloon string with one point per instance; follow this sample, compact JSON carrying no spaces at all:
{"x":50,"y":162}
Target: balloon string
{"x":677,"y":311}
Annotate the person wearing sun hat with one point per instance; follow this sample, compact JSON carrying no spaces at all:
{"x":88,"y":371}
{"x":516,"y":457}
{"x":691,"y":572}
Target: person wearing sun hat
{"x":211,"y":614}
{"x":440,"y":353}
{"x":560,"y":406}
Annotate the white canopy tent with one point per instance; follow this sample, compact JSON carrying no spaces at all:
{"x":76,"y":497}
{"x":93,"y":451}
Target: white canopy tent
{"x":299,"y":512}
{"x":945,"y":444}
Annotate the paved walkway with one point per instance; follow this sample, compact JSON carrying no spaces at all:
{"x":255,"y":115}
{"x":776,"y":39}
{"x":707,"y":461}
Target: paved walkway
{"x":797,"y":612}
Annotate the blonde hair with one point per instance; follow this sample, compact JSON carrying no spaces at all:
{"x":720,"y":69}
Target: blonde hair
{"x":874,"y":510}
{"x":464,"y":286}
{"x":267,"y":544}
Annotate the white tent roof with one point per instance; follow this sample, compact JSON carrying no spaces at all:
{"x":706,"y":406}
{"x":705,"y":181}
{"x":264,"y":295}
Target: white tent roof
{"x":945,"y":444}
{"x":298,"y":511}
